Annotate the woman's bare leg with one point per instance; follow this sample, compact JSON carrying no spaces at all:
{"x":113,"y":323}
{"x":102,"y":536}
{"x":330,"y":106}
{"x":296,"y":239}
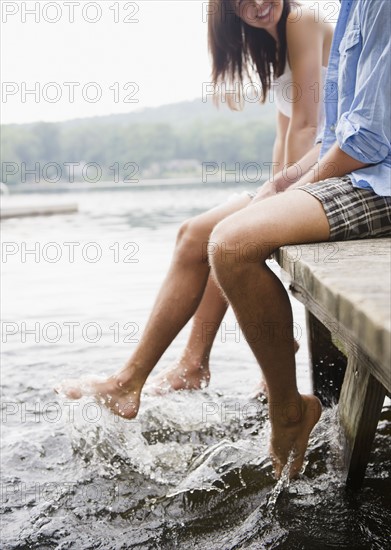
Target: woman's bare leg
{"x":191,"y":370}
{"x":260,"y":300}
{"x":177,"y":301}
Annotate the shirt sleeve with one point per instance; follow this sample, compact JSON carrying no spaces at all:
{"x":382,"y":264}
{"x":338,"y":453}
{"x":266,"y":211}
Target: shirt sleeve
{"x":364,"y":131}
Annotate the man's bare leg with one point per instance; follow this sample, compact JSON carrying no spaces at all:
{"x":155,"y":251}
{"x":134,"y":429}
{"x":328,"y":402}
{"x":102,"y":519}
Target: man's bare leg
{"x":260,"y":301}
{"x":177,"y":301}
{"x":191,"y":371}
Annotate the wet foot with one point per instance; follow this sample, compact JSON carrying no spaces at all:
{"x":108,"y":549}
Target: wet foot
{"x":291,"y":429}
{"x":115,"y":392}
{"x":180,"y":376}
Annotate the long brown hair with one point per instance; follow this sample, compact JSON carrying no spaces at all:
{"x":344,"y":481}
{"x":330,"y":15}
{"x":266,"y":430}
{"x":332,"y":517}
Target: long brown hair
{"x":236,"y":48}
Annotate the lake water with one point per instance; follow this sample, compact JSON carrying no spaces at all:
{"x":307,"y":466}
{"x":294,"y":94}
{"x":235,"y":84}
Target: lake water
{"x":192,"y":470}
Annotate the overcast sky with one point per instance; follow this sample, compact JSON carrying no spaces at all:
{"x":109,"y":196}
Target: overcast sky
{"x":84,"y":58}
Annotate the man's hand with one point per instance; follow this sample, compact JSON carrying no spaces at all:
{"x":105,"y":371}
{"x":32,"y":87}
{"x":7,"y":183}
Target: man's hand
{"x":288,"y":176}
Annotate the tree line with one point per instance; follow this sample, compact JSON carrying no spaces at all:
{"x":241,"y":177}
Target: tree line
{"x":159,"y":149}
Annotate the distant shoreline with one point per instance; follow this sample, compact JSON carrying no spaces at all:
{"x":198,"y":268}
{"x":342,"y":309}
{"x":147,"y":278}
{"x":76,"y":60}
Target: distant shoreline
{"x":141,"y":184}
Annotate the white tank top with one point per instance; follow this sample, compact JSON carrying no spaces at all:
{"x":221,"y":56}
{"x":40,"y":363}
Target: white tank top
{"x":285,"y":93}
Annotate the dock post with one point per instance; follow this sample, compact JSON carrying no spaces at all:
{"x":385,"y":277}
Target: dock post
{"x":328,"y":363}
{"x":360,"y":405}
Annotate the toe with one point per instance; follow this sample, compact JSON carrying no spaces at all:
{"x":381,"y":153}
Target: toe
{"x":69,"y":389}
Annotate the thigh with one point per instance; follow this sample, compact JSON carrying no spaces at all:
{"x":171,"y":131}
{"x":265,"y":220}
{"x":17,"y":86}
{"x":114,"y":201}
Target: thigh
{"x":293,"y":217}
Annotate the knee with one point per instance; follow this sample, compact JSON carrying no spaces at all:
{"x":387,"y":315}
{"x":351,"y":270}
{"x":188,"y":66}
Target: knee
{"x":232,"y":253}
{"x":225,"y":251}
{"x":192,"y":240}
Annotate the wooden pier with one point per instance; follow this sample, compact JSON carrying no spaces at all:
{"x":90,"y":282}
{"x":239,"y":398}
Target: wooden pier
{"x":345,"y":287}
{"x":37,"y":210}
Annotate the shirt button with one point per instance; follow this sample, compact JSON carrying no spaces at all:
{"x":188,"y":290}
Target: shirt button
{"x":332,"y":127}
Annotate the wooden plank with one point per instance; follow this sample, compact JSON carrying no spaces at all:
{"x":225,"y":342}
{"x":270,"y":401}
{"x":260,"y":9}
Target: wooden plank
{"x":342,"y":338}
{"x":350,"y":290}
{"x":360,"y":405}
{"x":44,"y":210}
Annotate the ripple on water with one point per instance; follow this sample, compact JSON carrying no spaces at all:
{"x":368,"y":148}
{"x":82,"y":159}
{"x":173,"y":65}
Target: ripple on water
{"x":168,"y":478}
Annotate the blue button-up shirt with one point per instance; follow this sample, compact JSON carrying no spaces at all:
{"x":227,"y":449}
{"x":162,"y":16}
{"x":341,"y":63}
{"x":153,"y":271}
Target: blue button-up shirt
{"x":358,"y":91}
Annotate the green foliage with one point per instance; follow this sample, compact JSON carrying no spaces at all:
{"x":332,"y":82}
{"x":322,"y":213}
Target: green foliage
{"x":197,"y":132}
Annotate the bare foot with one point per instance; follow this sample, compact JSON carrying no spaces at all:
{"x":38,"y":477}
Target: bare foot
{"x":291,"y":429}
{"x":115,"y":393}
{"x":180,"y":376}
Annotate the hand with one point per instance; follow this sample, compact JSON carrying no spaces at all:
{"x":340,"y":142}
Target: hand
{"x":268,"y":189}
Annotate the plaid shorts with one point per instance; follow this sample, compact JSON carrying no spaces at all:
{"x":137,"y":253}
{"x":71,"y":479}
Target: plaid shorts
{"x":353,"y":213}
